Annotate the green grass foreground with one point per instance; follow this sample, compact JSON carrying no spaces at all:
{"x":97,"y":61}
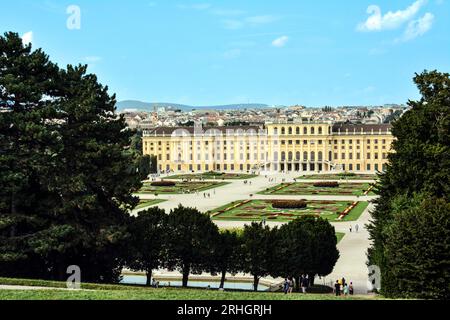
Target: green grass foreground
{"x":56,"y":291}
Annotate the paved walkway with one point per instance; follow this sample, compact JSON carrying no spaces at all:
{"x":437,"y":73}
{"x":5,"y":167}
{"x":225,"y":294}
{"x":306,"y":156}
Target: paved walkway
{"x":353,"y":247}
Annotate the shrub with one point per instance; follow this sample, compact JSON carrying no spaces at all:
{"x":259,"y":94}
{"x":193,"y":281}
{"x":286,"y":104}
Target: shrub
{"x":327,"y":184}
{"x":289,"y":204}
{"x":163,"y":184}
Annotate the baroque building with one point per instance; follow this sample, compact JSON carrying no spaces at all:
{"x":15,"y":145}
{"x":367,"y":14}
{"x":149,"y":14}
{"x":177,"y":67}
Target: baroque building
{"x":302,"y":146}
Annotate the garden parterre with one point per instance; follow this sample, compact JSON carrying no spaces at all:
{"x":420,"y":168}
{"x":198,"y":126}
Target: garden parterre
{"x":258,"y":210}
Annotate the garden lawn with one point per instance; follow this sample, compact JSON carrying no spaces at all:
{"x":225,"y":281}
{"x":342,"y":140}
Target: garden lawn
{"x":213,"y":176}
{"x":338,"y":177}
{"x":181,"y":187}
{"x":339,"y":236}
{"x":303,"y":188}
{"x":55,"y":291}
{"x":259,"y":210}
{"x":148,"y":203}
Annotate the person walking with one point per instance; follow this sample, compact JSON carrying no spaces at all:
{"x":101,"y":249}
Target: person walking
{"x":351,"y":289}
{"x":291,"y":286}
{"x":305,"y":283}
{"x":337,"y":288}
{"x":356,"y":228}
{"x":286,"y":286}
{"x":350,"y":228}
{"x":346,"y":290}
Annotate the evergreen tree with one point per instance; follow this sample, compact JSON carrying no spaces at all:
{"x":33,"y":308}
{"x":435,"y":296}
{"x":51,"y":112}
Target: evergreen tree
{"x":67,"y":180}
{"x":417,"y":248}
{"x":419,"y":163}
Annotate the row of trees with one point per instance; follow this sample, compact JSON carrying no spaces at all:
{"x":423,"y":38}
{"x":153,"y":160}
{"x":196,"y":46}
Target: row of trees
{"x":188,"y":241}
{"x":411,"y":223}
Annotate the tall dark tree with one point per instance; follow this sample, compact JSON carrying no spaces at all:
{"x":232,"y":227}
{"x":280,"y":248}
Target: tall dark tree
{"x":67,"y":180}
{"x":307,"y":246}
{"x":420,"y":163}
{"x":190,"y":241}
{"x":417,"y":248}
{"x":226,"y":254}
{"x":258,"y":251}
{"x":324,"y":252}
{"x":147,"y":241}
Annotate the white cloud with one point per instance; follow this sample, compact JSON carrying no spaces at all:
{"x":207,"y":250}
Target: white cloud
{"x":255,"y":21}
{"x":419,"y":27}
{"x":390,"y":20}
{"x":27,"y":38}
{"x":280,"y":42}
{"x":258,"y":20}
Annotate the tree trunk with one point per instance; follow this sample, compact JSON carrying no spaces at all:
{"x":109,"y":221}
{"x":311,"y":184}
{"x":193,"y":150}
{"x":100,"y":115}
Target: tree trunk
{"x":311,"y":279}
{"x":222,"y":281}
{"x":186,"y":272}
{"x":255,"y":283}
{"x":149,"y":278}
{"x":297,"y":283}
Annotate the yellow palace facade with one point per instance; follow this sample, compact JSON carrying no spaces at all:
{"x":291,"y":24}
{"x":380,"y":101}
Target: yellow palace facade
{"x":274,"y":147}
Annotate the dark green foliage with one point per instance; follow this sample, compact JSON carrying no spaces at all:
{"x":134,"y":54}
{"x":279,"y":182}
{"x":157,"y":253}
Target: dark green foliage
{"x":190,"y":239}
{"x":147,"y":239}
{"x":306,"y":246}
{"x":226,"y":256}
{"x":420,"y":163}
{"x":66,"y":180}
{"x":417,"y":248}
{"x":258,"y":251}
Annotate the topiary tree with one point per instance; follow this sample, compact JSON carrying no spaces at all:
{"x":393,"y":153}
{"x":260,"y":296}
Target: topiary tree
{"x":226,"y":254}
{"x":258,"y":251}
{"x":147,"y":241}
{"x":189,"y":242}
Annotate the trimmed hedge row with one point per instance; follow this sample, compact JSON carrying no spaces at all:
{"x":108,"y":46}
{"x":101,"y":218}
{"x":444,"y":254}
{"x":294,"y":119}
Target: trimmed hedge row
{"x":289,"y":204}
{"x":327,"y":184}
{"x":163,"y":184}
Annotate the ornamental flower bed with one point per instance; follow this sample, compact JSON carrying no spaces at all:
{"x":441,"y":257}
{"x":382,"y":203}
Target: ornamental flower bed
{"x":163,"y":184}
{"x":289,"y":204}
{"x":327,"y":184}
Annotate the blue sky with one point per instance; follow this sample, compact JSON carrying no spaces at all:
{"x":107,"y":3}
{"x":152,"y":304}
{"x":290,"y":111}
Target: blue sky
{"x":283,"y":52}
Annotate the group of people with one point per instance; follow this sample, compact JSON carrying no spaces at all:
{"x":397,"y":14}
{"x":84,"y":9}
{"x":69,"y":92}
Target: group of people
{"x":356,"y":228}
{"x":247,"y":182}
{"x":341,"y":287}
{"x":288,"y":285}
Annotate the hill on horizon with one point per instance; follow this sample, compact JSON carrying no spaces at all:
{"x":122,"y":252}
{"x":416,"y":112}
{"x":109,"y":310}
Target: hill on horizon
{"x":149,"y":106}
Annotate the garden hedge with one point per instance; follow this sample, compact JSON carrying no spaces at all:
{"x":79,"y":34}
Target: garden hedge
{"x":163,"y":184}
{"x":289,"y":204}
